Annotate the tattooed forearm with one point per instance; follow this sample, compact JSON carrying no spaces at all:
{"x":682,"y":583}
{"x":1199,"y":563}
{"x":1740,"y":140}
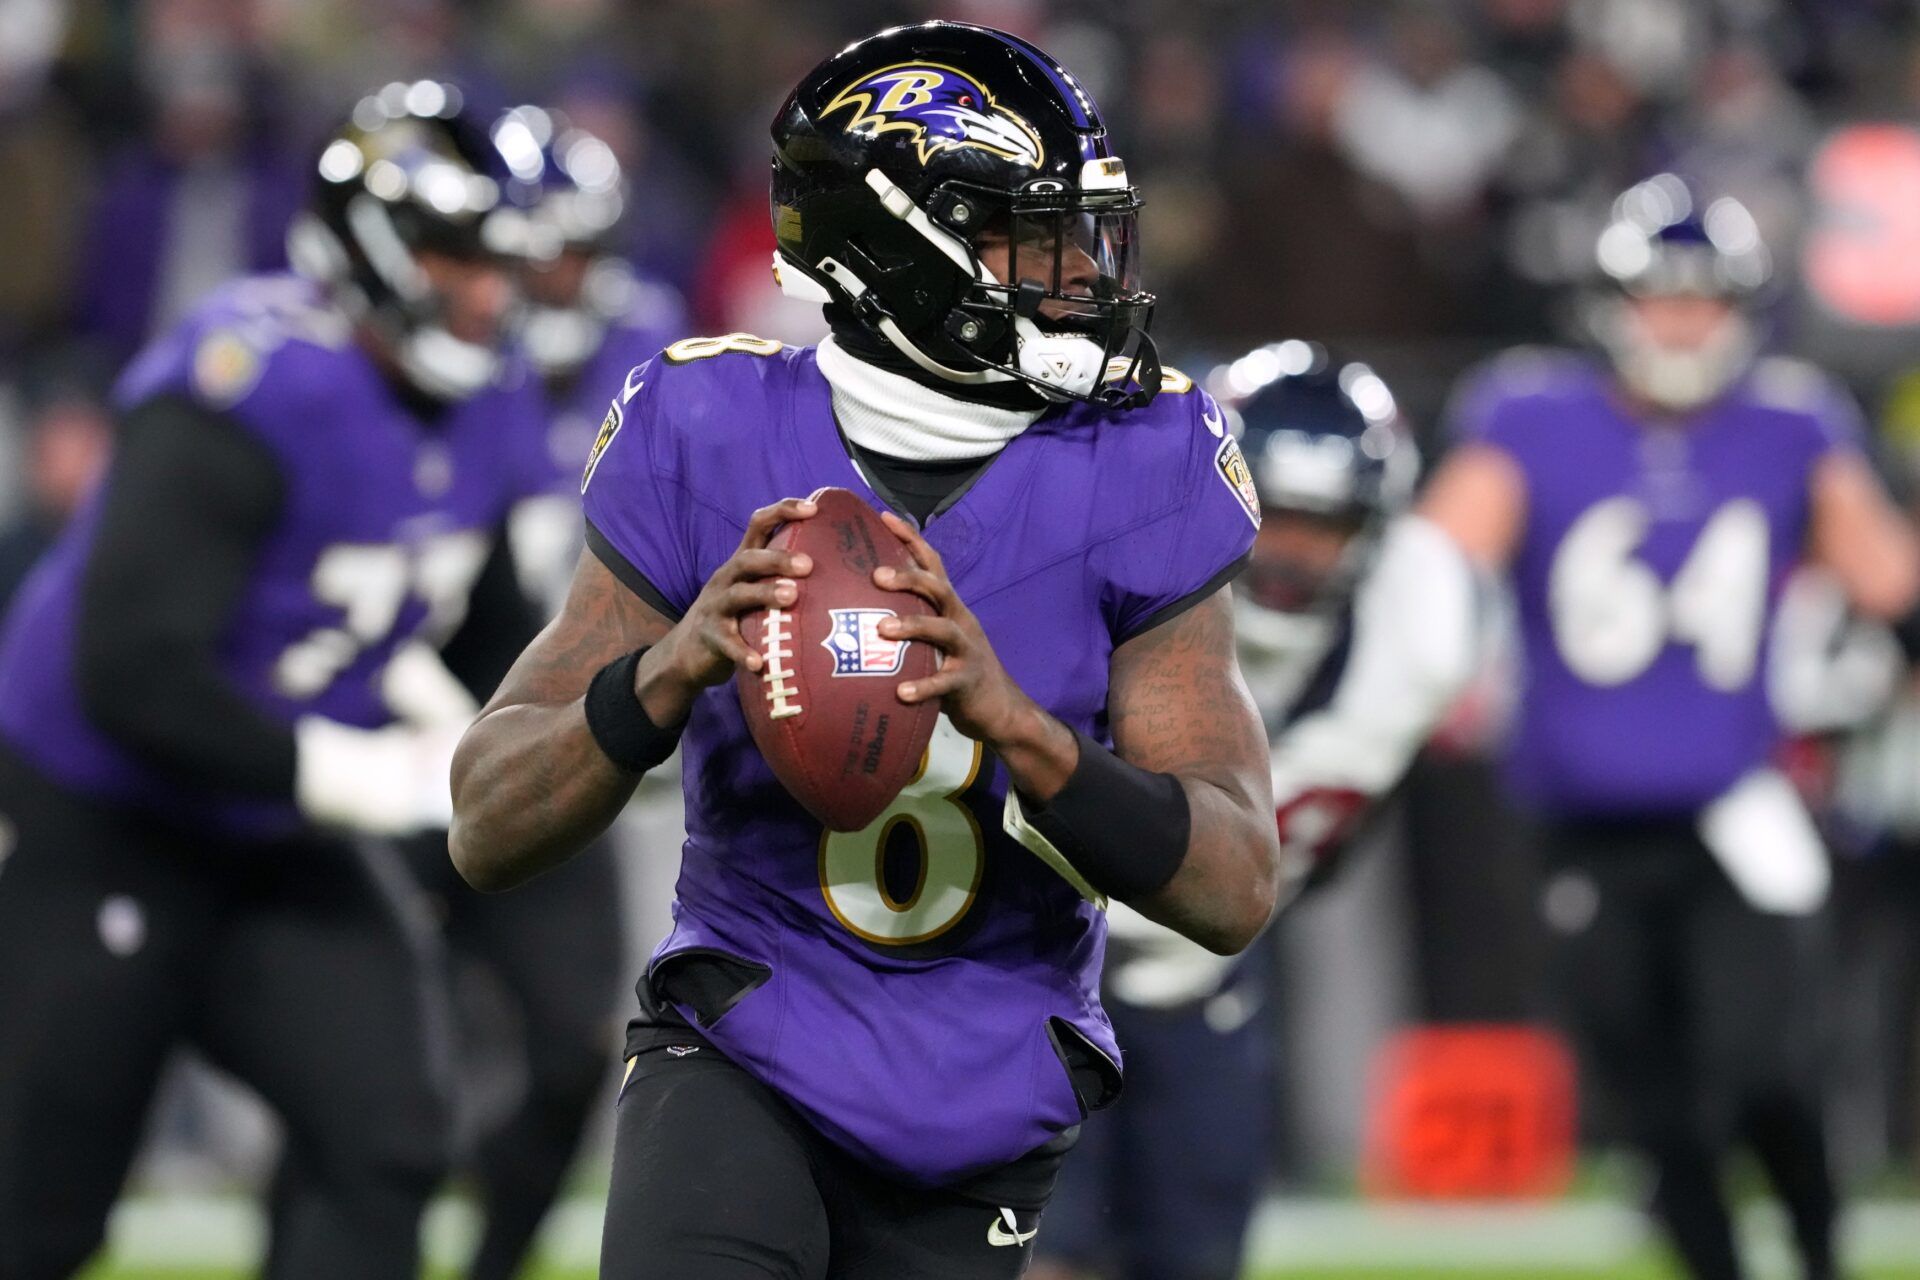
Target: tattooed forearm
{"x":530,"y":786}
{"x":1178,"y":705}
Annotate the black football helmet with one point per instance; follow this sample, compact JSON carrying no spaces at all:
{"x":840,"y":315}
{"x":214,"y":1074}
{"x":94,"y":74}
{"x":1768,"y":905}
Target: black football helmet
{"x":576,"y":195}
{"x":897,"y":160}
{"x":1665,"y":237}
{"x":408,"y":171}
{"x":1325,"y":441}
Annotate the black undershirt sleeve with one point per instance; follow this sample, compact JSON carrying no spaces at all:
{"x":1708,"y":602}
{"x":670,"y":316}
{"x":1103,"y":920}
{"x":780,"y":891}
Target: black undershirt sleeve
{"x":190,"y":497}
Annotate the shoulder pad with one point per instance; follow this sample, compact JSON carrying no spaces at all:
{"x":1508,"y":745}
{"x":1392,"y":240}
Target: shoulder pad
{"x":220,"y":352}
{"x":1521,"y":373}
{"x":698,"y":396}
{"x":1783,"y":382}
{"x":1533,"y":370}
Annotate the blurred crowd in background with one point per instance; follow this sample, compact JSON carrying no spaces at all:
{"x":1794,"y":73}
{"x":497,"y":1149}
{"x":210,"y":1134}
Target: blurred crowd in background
{"x":1416,"y":176}
{"x":1420,"y":183}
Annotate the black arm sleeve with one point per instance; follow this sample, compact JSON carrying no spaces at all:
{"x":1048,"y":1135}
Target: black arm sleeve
{"x":189,"y":499}
{"x":500,"y":623}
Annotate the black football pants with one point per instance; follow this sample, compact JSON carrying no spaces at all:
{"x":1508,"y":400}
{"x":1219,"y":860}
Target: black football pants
{"x":1694,"y":1014}
{"x":554,"y":949}
{"x":299,"y":968}
{"x":716,"y":1178}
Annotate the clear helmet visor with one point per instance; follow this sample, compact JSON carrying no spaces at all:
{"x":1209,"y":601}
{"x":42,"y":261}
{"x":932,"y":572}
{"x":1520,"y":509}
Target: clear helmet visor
{"x":1071,"y":269}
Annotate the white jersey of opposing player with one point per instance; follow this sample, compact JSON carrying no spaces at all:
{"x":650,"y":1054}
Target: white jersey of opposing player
{"x":1415,"y":644}
{"x":1835,"y":673}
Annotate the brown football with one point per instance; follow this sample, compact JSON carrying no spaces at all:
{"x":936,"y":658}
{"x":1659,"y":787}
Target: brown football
{"x":823,"y":708}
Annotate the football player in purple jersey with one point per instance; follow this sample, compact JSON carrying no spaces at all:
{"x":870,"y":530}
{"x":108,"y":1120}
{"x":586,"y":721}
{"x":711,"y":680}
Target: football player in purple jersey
{"x":1647,"y":512}
{"x":865,"y":1054}
{"x":554,"y":954}
{"x":220,"y":684}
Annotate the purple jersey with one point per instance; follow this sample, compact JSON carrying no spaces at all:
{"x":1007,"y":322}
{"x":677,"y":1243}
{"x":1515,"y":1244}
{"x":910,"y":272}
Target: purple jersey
{"x":1647,"y":574}
{"x":921,"y":971}
{"x":384,"y":522}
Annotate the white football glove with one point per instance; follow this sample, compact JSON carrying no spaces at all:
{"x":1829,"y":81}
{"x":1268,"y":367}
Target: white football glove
{"x":418,"y":688}
{"x":379,"y":782}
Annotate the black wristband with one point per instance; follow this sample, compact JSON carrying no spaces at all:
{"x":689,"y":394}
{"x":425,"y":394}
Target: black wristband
{"x":1122,"y":827}
{"x":620,"y":725}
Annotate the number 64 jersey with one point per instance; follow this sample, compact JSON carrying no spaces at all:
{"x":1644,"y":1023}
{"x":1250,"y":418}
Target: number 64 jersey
{"x":1647,"y":574}
{"x":919,"y":984}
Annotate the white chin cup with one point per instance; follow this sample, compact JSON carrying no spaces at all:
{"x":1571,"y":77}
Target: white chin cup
{"x":1066,"y":366}
{"x":1681,"y":380}
{"x":560,"y":339}
{"x":443,"y":366}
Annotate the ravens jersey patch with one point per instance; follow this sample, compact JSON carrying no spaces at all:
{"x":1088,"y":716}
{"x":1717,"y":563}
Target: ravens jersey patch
{"x":609,"y":428}
{"x":1238,"y":476}
{"x":225,"y":368}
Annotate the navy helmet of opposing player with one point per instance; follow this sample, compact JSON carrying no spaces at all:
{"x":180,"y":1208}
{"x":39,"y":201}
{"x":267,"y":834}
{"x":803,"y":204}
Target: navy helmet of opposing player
{"x":576,"y":282}
{"x":1683,"y":271}
{"x":1331,"y":460}
{"x":412,"y":204}
{"x":952,"y":189}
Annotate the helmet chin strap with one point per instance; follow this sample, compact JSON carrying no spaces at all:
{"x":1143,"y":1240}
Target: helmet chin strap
{"x":961,"y":377}
{"x":1059,"y":367}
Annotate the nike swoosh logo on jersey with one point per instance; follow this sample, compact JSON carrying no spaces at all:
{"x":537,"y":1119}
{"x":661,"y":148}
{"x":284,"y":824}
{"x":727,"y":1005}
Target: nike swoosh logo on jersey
{"x":1010,"y":1233}
{"x":1216,"y":422}
{"x":633,"y":386}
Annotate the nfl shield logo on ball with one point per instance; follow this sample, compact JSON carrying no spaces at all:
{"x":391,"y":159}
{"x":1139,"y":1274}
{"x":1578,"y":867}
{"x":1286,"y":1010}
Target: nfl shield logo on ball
{"x":857,"y":646}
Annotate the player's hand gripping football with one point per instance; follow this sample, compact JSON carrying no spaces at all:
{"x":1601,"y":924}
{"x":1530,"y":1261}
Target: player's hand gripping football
{"x":705,"y":647}
{"x":975,"y":691}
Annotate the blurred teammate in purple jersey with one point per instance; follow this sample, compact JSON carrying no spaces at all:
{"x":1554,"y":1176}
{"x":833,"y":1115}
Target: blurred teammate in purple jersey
{"x":834,"y":1073}
{"x":1647,"y":513}
{"x":587,"y":316}
{"x":551,"y":957}
{"x":220,"y":684}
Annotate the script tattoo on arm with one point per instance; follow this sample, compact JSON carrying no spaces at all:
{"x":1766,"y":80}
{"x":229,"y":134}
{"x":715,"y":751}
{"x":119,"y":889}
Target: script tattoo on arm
{"x":1178,"y":705}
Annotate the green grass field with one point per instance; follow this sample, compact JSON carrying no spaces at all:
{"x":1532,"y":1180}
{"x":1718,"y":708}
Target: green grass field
{"x":1649,"y":1269}
{"x":1595,"y":1237}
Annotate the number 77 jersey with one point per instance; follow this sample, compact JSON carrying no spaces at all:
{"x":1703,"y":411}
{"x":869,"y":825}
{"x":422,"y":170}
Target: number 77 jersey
{"x":381,"y":517}
{"x":1647,"y":574}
